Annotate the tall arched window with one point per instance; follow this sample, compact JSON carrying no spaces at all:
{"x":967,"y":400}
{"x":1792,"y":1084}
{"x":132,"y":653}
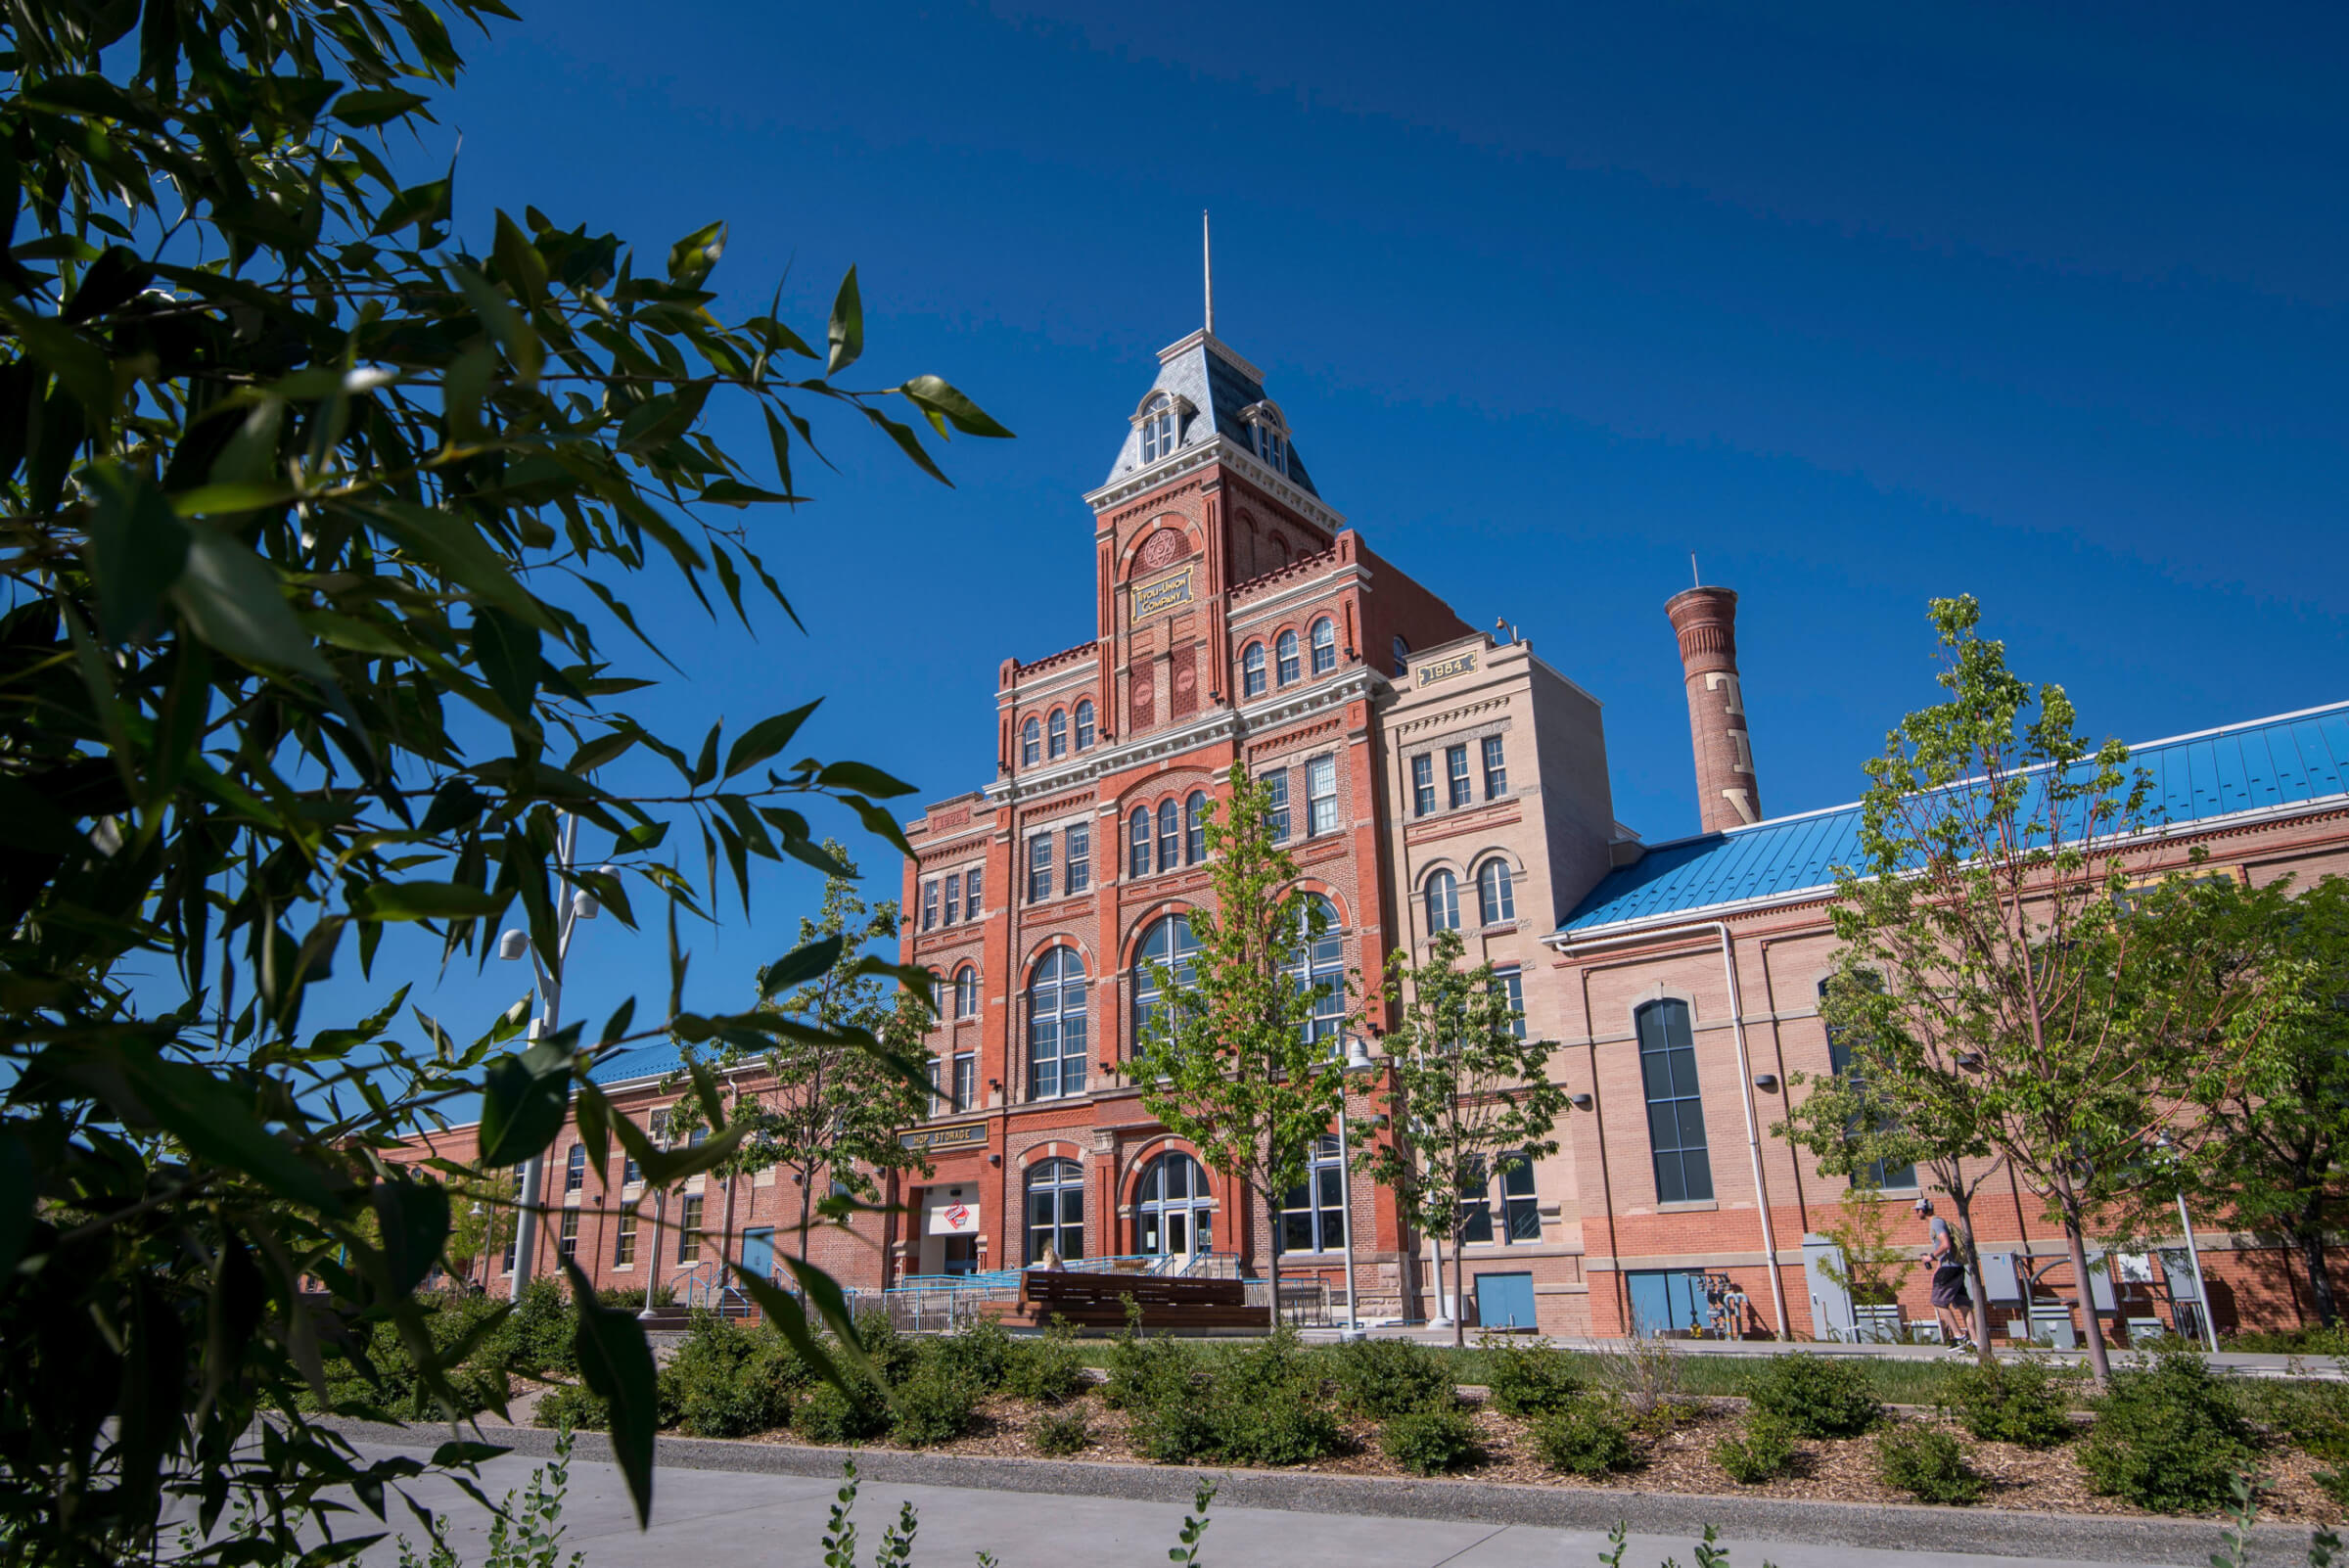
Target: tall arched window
{"x":1056,"y":1210}
{"x":1138,"y":863}
{"x":1085,"y":725}
{"x":1168,"y":942}
{"x":1252,"y":671}
{"x":1194,"y":828}
{"x":1158,"y":429}
{"x":1032,"y":744}
{"x":1174,"y":1210}
{"x":1317,"y":960}
{"x":1325,"y":646}
{"x":1676,"y":1113}
{"x":1284,"y":650}
{"x":1057,"y":731}
{"x":1443,"y":902}
{"x":1170,"y":841}
{"x":1402,"y":658}
{"x":1496,"y":894}
{"x":1056,"y":1032}
{"x":575,"y":1169}
{"x":966,"y":993}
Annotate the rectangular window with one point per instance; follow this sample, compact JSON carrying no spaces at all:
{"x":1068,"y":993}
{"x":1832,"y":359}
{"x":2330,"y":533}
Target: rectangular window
{"x":1423,"y":784}
{"x":1521,"y":1209}
{"x":938,"y":1098}
{"x":623,"y":1244}
{"x":1040,"y":868}
{"x":966,"y":1080}
{"x":929,"y":904}
{"x":1456,"y":769}
{"x":569,"y":1240}
{"x":970,"y":896}
{"x":953,"y":899}
{"x":689,"y":1229}
{"x":630,"y":1173}
{"x":1510,"y":982}
{"x":1676,"y":1113}
{"x":1276,"y":803}
{"x":1321,"y":795}
{"x":1139,"y":860}
{"x":1080,"y":873}
{"x":1496,"y":770}
{"x":1839,"y":1062}
{"x":1476,"y":1201}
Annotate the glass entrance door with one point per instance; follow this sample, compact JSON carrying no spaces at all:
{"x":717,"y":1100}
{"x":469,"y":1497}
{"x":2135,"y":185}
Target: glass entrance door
{"x":1175,"y":1214}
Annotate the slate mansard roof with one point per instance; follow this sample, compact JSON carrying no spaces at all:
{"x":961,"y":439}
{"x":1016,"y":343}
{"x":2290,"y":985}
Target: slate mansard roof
{"x":2288,"y":761}
{"x":1219,"y":386}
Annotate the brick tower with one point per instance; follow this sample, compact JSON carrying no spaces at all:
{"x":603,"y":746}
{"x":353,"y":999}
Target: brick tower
{"x":1726,"y":792}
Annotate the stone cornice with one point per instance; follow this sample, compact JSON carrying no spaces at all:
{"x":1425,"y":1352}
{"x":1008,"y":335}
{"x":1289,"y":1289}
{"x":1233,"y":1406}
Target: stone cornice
{"x":1218,"y":449}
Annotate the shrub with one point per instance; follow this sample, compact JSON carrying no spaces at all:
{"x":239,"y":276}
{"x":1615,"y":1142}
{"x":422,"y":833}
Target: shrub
{"x":1429,"y":1440}
{"x":630,"y":1298}
{"x":1382,"y":1378}
{"x":1928,"y":1464}
{"x":730,"y":1381}
{"x":1144,"y":1369}
{"x":1048,"y":1368}
{"x":895,"y":1356}
{"x":392,"y":1391}
{"x":2315,"y":1416}
{"x":978,"y":1354}
{"x":831,"y":1414}
{"x":2168,"y":1439}
{"x":1531,"y":1379}
{"x":1586,"y":1437}
{"x":1998,"y":1403}
{"x":1267,"y":1406}
{"x":536,"y":1336}
{"x":1816,"y":1396}
{"x":1058,"y":1432}
{"x":1763,"y":1452}
{"x":934,"y":1405}
{"x":574,"y":1405}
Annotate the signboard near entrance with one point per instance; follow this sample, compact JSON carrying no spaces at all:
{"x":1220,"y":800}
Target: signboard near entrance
{"x":938,"y":1140}
{"x":950,"y":1213}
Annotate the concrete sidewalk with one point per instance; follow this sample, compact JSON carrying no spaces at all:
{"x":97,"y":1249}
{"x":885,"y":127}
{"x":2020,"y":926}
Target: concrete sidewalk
{"x":746,"y":1513}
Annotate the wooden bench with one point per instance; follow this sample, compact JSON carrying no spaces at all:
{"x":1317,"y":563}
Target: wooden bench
{"x":1098,"y":1301}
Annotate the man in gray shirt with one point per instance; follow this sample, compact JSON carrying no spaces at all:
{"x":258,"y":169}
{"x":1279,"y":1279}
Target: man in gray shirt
{"x":1953,"y":1304}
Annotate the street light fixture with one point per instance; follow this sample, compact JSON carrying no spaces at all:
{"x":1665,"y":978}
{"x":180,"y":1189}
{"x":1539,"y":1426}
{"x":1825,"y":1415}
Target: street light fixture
{"x":1358,"y":1060}
{"x":652,"y":1266}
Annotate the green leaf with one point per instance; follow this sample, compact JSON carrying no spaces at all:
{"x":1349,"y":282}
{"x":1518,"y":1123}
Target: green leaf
{"x":425,"y":900}
{"x":426,"y":205}
{"x":780,"y":439}
{"x":458,"y":549}
{"x":691,"y":258}
{"x":782,"y":1309}
{"x":617,"y":1364}
{"x":766,"y":738}
{"x":412,"y":1217}
{"x":509,"y":326}
{"x":933,"y":394}
{"x":910,"y":444}
{"x":519,"y":264}
{"x":137,"y":549}
{"x":79,"y":362}
{"x":235,"y":602}
{"x":594,"y":1117}
{"x":801,"y":965}
{"x":847,"y":328}
{"x":373,"y":106}
{"x":523,"y":1098}
{"x":864,"y":778}
{"x":506,"y":648}
{"x":203,"y":1112}
{"x":18,"y":1193}
{"x":734,"y":493}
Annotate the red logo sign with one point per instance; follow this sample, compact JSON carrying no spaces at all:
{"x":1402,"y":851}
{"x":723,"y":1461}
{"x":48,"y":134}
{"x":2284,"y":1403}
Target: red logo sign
{"x":957,"y":1215}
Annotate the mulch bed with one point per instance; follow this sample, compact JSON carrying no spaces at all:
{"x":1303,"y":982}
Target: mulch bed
{"x":1677,"y":1458}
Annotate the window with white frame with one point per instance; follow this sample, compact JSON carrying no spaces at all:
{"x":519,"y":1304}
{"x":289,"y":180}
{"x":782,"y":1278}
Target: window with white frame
{"x":1170,"y":836}
{"x":1284,"y":655}
{"x":1403,"y":659}
{"x":1158,"y":429}
{"x":966,"y":993}
{"x":1040,"y":868}
{"x":1315,"y":959}
{"x":1443,"y":902}
{"x":1509,"y":980}
{"x":1168,"y":942}
{"x":1077,"y":873}
{"x":689,"y":1229}
{"x":1520,"y":1207}
{"x":1496,"y":770}
{"x":1056,"y":733}
{"x":1138,"y":834}
{"x":1423,"y":784}
{"x":929,"y":903}
{"x":966,"y":1080}
{"x":1273,"y":447}
{"x":1056,"y":1026}
{"x":1276,"y":804}
{"x":1496,"y":894}
{"x":1032,"y":743}
{"x":624,"y":1238}
{"x":575,"y":1169}
{"x":1085,"y":725}
{"x":1313,"y":1212}
{"x":568,"y":1241}
{"x":1324,"y":640}
{"x":1056,"y":1210}
{"x":1252,"y":671}
{"x":1321,"y":795}
{"x":953,"y":898}
{"x":970,"y":895}
{"x":1194,"y":828}
{"x":1455,"y":770}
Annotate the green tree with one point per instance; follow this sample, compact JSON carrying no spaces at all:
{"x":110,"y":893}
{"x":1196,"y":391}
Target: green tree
{"x":315,"y":524}
{"x":1234,"y":1059}
{"x":1987,"y":954}
{"x":1467,"y":1100}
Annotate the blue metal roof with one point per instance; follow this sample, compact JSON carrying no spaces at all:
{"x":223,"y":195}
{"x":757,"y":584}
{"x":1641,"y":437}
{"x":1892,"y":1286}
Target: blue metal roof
{"x":2293,"y":760}
{"x":638,"y":1061}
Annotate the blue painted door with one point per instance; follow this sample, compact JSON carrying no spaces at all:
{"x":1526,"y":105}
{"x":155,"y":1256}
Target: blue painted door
{"x":1663,"y":1300}
{"x":1505,"y":1301}
{"x":759,"y":1254}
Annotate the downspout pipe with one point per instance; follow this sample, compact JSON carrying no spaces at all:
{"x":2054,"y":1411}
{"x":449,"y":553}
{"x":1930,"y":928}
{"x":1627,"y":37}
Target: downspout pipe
{"x":1745,"y":1095}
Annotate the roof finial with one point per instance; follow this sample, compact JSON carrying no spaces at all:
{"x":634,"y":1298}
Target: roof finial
{"x":1207,"y":270}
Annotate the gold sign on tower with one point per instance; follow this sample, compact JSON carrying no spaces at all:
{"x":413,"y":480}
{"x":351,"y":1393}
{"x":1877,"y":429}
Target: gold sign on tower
{"x":1164,"y":594}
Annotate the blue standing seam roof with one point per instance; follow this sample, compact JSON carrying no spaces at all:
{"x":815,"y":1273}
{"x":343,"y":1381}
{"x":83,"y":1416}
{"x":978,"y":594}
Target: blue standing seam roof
{"x":638,"y":1061}
{"x":2292,"y":760}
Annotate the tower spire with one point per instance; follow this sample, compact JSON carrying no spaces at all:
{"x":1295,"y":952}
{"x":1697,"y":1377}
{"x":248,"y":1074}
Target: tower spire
{"x":1207,"y":272}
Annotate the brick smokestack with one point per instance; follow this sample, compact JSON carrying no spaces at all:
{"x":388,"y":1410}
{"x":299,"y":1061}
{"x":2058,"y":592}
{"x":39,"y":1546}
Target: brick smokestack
{"x":1726,"y":792}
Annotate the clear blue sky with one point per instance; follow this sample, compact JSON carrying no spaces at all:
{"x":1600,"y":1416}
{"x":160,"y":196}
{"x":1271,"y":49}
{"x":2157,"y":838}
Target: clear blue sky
{"x":1861,"y":304}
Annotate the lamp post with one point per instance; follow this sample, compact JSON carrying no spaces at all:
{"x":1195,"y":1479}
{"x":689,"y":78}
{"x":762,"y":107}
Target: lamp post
{"x":512,"y":945}
{"x":2193,"y":1254}
{"x":1358,"y":1060}
{"x":652,"y":1263}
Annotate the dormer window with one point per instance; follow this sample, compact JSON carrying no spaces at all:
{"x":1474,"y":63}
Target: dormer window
{"x":1269,"y":433}
{"x":1158,"y":428}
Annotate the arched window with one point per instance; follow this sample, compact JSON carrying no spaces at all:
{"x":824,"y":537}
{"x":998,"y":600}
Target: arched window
{"x":1058,"y":731}
{"x":1194,"y":828}
{"x":1055,"y":1210}
{"x":1273,"y":447}
{"x":1168,"y":942}
{"x":1313,"y":1212}
{"x":1443,"y":902}
{"x":1175,"y":1215}
{"x":1138,"y":865}
{"x":1317,"y":960}
{"x":1158,"y":429}
{"x":1170,"y":842}
{"x":1284,"y":648}
{"x":1676,"y":1113}
{"x":1402,"y":658}
{"x":1056,"y":1033}
{"x":1496,"y":894}
{"x":966,"y":993}
{"x":575,"y":1169}
{"x":1031,"y":744}
{"x":1085,"y":725}
{"x":1325,"y":646}
{"x":1252,"y":671}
